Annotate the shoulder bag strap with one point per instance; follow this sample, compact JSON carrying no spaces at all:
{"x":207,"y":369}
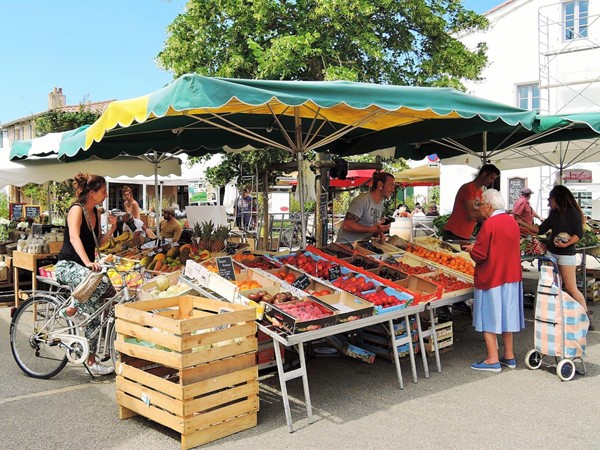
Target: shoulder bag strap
{"x":89,"y":224}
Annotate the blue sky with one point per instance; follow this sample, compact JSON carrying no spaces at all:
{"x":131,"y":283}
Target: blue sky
{"x":96,"y":50}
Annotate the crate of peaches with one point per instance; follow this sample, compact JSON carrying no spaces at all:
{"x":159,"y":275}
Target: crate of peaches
{"x":448,"y":261}
{"x":308,"y":262}
{"x":298,"y":316}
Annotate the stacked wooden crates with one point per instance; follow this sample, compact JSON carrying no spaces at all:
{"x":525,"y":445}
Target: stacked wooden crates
{"x":188,"y":363}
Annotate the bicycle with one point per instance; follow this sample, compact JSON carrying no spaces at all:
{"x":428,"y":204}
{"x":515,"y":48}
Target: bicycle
{"x":42,"y":342}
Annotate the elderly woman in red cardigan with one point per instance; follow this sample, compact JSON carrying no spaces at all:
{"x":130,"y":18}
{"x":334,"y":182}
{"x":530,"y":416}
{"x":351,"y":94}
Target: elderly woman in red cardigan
{"x":498,"y":303}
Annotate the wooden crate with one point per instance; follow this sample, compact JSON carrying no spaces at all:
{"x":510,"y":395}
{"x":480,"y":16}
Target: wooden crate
{"x":188,"y":363}
{"x":444,"y":334}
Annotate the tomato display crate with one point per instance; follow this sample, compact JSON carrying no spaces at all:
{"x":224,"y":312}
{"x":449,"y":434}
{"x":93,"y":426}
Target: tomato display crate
{"x":456,"y":293}
{"x":291,"y":324}
{"x":403,"y":297}
{"x":349,"y":307}
{"x":188,"y":363}
{"x":422,"y":289}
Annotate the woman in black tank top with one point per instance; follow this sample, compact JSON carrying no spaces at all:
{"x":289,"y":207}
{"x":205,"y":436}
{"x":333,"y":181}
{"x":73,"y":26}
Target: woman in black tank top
{"x":77,"y":255}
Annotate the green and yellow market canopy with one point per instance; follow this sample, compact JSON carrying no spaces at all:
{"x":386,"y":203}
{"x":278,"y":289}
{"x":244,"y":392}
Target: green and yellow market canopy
{"x":199,"y":115}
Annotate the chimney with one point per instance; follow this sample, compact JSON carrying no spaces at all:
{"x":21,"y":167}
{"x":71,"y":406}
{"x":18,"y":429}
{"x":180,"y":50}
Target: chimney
{"x":56,"y":99}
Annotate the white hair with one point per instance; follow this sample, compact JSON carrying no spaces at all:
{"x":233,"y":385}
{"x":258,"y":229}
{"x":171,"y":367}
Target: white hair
{"x":494,"y":198}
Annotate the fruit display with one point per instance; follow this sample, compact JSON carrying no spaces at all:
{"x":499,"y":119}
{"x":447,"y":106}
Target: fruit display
{"x":449,"y":283}
{"x":532,"y":246}
{"x":367,"y":245}
{"x":383,"y":299}
{"x":116,"y":244}
{"x":265,"y":296}
{"x":305,"y":310}
{"x":391,"y":274}
{"x":253,"y":261}
{"x":309,"y":264}
{"x":211,"y":238}
{"x":299,"y":316}
{"x":164,"y":288}
{"x":407,"y":268}
{"x":337,"y":253}
{"x":354,"y":284}
{"x":364,"y":263}
{"x":445,"y":259}
{"x":247,"y":285}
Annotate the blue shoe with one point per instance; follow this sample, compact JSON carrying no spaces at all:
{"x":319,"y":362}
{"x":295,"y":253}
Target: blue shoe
{"x":487,"y":367}
{"x":510,"y":363}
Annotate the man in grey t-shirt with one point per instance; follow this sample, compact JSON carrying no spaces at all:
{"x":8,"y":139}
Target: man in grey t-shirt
{"x":363,"y":219}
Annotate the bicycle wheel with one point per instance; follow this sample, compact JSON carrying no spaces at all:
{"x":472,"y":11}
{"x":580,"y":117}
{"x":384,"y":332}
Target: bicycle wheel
{"x":289,"y":238}
{"x":112,"y":337}
{"x":36,"y":354}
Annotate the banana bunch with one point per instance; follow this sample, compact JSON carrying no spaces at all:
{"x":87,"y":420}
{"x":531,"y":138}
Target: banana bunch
{"x":117,"y":244}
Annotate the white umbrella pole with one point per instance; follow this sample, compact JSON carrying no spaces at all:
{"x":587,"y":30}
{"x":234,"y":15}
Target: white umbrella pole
{"x":157,"y":210}
{"x":300,"y":158}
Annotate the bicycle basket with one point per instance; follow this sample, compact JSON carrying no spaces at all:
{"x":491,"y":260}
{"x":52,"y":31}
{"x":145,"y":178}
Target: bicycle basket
{"x":88,"y":285}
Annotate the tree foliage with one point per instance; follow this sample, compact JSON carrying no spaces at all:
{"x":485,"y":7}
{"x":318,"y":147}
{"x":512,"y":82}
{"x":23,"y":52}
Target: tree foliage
{"x":409,"y":42}
{"x":56,"y":120}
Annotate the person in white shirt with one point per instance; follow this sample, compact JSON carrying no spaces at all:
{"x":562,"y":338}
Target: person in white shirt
{"x":137,"y":228}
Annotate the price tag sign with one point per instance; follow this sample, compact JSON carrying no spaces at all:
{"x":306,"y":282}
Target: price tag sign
{"x":301,"y":282}
{"x":335,"y":271}
{"x":225,"y":267}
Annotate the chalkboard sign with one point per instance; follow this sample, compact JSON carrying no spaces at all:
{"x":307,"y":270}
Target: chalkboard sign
{"x":16,"y":211}
{"x":301,"y":282}
{"x":515,"y":186}
{"x":225,"y":267}
{"x":335,"y":272}
{"x":323,"y":206}
{"x":32,"y":211}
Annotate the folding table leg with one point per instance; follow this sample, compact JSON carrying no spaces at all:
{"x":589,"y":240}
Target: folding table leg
{"x":411,"y":350}
{"x":395,"y":350}
{"x":284,"y":377}
{"x":422,"y":346}
{"x":436,"y":350}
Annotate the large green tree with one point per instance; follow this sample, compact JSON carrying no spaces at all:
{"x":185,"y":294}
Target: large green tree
{"x":404,"y":42}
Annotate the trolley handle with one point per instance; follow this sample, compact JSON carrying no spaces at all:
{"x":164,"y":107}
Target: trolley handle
{"x":548,"y":259}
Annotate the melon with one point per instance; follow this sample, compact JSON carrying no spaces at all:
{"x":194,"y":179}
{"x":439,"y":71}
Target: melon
{"x":162,"y":282}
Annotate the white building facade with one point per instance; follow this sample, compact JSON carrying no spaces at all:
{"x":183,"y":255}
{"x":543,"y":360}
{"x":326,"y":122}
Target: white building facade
{"x":543,"y":55}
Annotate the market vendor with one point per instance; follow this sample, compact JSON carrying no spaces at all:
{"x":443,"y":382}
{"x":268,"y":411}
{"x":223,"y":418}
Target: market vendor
{"x":523,"y":208}
{"x":363,"y":219}
{"x":466,"y":212}
{"x":170,"y":227}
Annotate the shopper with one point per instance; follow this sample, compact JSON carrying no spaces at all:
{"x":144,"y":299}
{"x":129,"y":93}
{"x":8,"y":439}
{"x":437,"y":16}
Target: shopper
{"x":130,"y":205}
{"x":363,"y":218}
{"x":170,"y":227}
{"x":523,"y":209}
{"x":498,"y":296}
{"x":565,"y":219}
{"x":243,"y":209}
{"x":77,"y":257}
{"x":466,"y":213}
{"x":433,"y":211}
{"x":140,"y":233}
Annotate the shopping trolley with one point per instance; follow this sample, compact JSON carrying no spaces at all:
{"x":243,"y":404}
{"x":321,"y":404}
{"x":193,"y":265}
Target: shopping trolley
{"x":561,"y":325}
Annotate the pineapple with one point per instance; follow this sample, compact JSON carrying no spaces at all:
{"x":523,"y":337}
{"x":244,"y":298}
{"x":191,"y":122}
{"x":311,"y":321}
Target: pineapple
{"x":204,"y":233}
{"x":217,"y":243}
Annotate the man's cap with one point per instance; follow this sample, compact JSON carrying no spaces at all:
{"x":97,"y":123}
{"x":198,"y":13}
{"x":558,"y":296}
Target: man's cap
{"x":526,"y":191}
{"x":169,"y":210}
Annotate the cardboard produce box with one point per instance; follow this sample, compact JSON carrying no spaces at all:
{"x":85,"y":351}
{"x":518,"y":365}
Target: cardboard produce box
{"x":348,"y":307}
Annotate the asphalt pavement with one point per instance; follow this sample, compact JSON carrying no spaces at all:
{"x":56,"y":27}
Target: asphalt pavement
{"x":355,"y":405}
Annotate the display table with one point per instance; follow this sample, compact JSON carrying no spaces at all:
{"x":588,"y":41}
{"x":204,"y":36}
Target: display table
{"x":26,"y":261}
